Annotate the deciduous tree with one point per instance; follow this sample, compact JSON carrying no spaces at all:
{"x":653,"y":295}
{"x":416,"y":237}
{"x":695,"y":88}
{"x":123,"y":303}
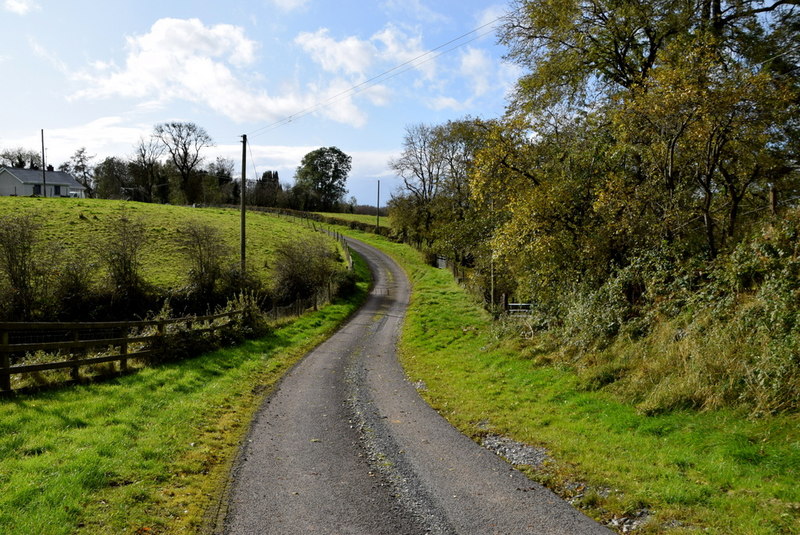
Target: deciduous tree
{"x":147,"y":171}
{"x":323,"y":175}
{"x":113,"y":180}
{"x":80,"y":166}
{"x":20,"y":158}
{"x":184,"y":143}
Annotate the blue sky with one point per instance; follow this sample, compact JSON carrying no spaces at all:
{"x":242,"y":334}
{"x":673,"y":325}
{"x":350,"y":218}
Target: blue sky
{"x":100,"y":75}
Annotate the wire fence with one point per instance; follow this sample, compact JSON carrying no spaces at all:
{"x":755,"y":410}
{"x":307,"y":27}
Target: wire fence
{"x":36,"y":353}
{"x":35,"y":347}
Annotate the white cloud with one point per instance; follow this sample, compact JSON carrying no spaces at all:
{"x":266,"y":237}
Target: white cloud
{"x":478,"y":68}
{"x":368,"y":167}
{"x":379,"y":95}
{"x":41,"y":52}
{"x":446,"y":103}
{"x":105,"y":136}
{"x":478,"y":73}
{"x":508,"y":75}
{"x":184,"y":59}
{"x":355,"y":60}
{"x":336,"y":103}
{"x":350,"y":55}
{"x":490,"y":15}
{"x":400,"y":48}
{"x":353,"y":56}
{"x":20,"y":7}
{"x":289,"y":5}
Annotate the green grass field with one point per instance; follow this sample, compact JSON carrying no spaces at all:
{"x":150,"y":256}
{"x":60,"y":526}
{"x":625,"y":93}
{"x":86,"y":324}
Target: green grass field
{"x":683,"y":472}
{"x":80,"y":224}
{"x":148,"y":452}
{"x":369,"y":219}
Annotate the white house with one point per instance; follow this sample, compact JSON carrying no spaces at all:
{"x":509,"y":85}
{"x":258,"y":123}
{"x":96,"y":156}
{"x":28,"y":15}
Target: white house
{"x":26,"y":182}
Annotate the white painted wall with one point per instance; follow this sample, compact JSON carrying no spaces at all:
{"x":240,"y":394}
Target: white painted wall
{"x":11,"y":186}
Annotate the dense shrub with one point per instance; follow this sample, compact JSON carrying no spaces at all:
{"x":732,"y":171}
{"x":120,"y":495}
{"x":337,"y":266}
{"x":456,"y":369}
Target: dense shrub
{"x":207,"y":254}
{"x":727,"y":335}
{"x":73,"y":294}
{"x":304,"y":268}
{"x":18,"y":264}
{"x":121,"y":253}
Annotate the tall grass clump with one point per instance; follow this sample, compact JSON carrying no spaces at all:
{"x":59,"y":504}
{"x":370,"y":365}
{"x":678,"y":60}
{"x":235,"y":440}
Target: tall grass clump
{"x":667,"y":334}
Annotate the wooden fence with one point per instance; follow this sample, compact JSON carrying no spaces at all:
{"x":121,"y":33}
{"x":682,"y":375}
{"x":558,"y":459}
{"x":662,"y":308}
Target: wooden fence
{"x":518,"y":309}
{"x":76,"y":339}
{"x":338,"y":236}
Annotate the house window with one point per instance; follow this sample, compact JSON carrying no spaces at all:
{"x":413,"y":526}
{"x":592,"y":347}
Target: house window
{"x":57,"y":191}
{"x":37,"y":189}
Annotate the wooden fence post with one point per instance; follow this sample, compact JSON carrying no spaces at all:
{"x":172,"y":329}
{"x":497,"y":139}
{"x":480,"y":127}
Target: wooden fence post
{"x":123,"y":349}
{"x":5,"y":363}
{"x":74,"y":373}
{"x":161,"y":333}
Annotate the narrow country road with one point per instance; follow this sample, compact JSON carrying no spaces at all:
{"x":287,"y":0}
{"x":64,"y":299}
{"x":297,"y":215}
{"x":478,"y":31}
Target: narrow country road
{"x":347,"y":446}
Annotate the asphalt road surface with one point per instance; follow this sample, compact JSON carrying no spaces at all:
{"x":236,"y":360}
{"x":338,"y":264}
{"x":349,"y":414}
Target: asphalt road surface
{"x":346,"y":446}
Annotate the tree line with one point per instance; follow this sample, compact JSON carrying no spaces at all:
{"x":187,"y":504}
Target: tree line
{"x":170,"y":166}
{"x":666,"y":126}
{"x":646,"y":167}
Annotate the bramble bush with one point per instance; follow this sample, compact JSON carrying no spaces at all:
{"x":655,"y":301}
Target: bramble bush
{"x":669,"y":333}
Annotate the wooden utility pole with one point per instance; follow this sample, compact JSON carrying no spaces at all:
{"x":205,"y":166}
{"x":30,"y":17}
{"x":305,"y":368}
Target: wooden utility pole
{"x":378,"y":223}
{"x":491,"y":261}
{"x":44,"y":179}
{"x":773,"y":200}
{"x":242,"y":192}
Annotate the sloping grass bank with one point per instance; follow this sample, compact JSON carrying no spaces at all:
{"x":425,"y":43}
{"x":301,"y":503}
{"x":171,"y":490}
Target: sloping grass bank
{"x":675,"y":472}
{"x":78,"y":225}
{"x":148,"y":452}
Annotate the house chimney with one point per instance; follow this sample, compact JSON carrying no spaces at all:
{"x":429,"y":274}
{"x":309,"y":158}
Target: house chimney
{"x":50,"y":168}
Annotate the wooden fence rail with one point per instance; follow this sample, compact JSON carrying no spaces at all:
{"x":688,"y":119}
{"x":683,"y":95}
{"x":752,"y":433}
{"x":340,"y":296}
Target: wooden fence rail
{"x":76,"y":338}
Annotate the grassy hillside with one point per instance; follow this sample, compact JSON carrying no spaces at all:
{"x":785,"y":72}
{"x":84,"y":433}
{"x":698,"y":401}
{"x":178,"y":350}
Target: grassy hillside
{"x":676,"y":471}
{"x":79,"y":224}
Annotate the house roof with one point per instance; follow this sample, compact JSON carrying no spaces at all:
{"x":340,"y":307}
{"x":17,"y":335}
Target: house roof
{"x":34,"y":176}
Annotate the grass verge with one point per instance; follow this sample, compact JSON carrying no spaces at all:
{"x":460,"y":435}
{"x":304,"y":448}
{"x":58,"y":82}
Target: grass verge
{"x":674,"y":472}
{"x":147,"y":452}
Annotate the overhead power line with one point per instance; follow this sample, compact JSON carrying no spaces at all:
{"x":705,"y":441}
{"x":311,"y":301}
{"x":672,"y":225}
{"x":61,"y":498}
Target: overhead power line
{"x":397,"y":70}
{"x":252,"y":160}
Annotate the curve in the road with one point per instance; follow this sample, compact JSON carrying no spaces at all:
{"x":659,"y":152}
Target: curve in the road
{"x":346,"y":445}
